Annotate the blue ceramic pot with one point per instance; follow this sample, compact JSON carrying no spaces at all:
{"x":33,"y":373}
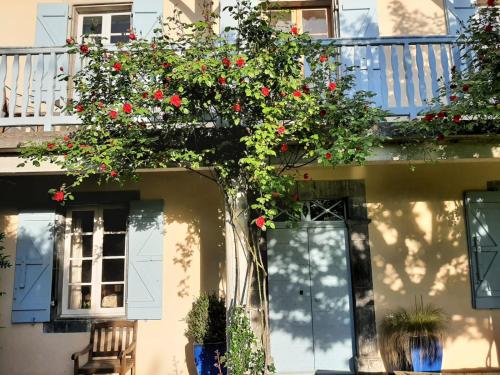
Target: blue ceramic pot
{"x":205,"y":358}
{"x":428,"y":357}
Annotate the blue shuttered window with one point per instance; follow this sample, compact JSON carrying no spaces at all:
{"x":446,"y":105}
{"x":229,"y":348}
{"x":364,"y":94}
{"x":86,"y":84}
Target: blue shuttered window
{"x":145,"y":260}
{"x":483,"y":227}
{"x":145,"y":16}
{"x":33,"y":270}
{"x":51,"y":25}
{"x":458,"y":12}
{"x":358,"y":19}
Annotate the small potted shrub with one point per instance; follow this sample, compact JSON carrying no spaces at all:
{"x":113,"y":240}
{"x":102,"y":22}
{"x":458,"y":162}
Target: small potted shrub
{"x":412,"y":338}
{"x":206,"y":327}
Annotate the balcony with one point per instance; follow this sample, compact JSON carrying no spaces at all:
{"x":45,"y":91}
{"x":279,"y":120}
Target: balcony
{"x":403,"y":72}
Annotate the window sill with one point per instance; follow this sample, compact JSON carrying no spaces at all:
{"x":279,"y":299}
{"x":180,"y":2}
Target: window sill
{"x":75,"y":325}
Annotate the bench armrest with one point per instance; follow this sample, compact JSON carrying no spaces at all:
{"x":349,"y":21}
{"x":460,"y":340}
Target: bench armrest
{"x":87,"y":349}
{"x":127,"y":351}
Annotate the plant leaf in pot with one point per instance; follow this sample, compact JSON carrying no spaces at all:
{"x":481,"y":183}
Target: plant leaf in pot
{"x":206,"y":327}
{"x":411,"y":339}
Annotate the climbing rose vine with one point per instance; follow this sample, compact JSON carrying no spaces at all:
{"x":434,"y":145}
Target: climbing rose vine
{"x":189,"y":98}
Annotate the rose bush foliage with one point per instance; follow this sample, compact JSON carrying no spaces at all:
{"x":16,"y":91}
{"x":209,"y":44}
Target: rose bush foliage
{"x":189,"y":98}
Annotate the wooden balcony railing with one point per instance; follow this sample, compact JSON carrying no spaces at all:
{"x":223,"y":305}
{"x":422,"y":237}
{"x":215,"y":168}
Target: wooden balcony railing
{"x":403,"y":72}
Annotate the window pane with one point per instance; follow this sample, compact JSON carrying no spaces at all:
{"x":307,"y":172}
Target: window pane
{"x":112,"y":295}
{"x":92,"y":25}
{"x":81,"y":246}
{"x":120,"y":23}
{"x":119,"y":39}
{"x":80,"y":271}
{"x":115,"y":220}
{"x":113,"y":270}
{"x":83,"y":221}
{"x":79,"y":297}
{"x":314,"y":21}
{"x":114,"y":245}
{"x":281,"y":20}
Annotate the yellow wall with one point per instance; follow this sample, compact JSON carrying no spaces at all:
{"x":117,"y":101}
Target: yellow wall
{"x":194,"y":259}
{"x":418,"y":247}
{"x":411,"y":17}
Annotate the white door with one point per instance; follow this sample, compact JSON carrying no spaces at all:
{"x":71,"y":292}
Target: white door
{"x":310,"y":298}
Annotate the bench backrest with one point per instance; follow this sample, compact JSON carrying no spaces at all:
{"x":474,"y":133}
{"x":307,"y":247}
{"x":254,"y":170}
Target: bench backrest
{"x":108,"y":339}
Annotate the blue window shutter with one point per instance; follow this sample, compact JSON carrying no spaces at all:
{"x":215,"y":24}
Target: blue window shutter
{"x":51,"y":25}
{"x":33,"y":270}
{"x":145,"y":260}
{"x":483,"y":226}
{"x":145,"y":17}
{"x":458,"y":13}
{"x":358,"y":18}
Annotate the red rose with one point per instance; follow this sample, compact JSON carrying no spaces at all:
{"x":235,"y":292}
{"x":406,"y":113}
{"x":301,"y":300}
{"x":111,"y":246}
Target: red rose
{"x":260,"y":221}
{"x":100,"y":105}
{"x":465,"y":88}
{"x":158,"y":95}
{"x":442,"y":114}
{"x":453,"y":98}
{"x":440,"y":137}
{"x":61,"y":68}
{"x":203,"y":68}
{"x":113,"y":173}
{"x":58,"y":196}
{"x":176,"y":101}
{"x":284,"y":147}
{"x":131,"y":36}
{"x":113,"y":114}
{"x":491,"y":3}
{"x":281,"y":130}
{"x":488,"y":28}
{"x":79,"y":108}
{"x":222,"y":80}
{"x":236,"y":107}
{"x":294,"y":30}
{"x":226,"y":62}
{"x":103,"y":167}
{"x":322,"y":112}
{"x":328,"y":155}
{"x":144,"y":95}
{"x":276,"y":195}
{"x":117,"y":66}
{"x":69,"y":145}
{"x":297,"y":94}
{"x":66,"y":138}
{"x":323,"y":59}
{"x":306,"y":176}
{"x":51,"y":146}
{"x":429,"y":117}
{"x":70,"y":41}
{"x":240,"y":62}
{"x":127,"y":108}
{"x":153,"y":45}
{"x":265,"y":91}
{"x":457,"y":119}
{"x":84,"y":49}
{"x":332,"y":86}
{"x":166,"y":65}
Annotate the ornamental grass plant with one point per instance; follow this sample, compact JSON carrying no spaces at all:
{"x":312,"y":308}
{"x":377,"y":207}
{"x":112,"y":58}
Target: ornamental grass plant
{"x":422,"y":325}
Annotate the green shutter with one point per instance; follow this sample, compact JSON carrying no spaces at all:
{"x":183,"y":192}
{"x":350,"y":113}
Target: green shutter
{"x":145,"y":260}
{"x":33,"y":270}
{"x":483,"y":227}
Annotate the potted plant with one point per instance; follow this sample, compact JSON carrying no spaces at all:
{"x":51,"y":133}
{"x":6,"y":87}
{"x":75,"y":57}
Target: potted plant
{"x":412,"y":338}
{"x":206,"y":327}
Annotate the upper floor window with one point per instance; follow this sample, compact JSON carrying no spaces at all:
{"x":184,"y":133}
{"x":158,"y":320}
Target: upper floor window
{"x":110,"y":24}
{"x":315,"y":21}
{"x":94,"y":261}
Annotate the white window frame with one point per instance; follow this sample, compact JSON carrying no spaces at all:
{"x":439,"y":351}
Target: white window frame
{"x":296,"y":16}
{"x":106,"y":12}
{"x":97,"y":256}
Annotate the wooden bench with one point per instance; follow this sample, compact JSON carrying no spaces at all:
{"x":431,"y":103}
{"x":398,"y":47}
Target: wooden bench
{"x":111,"y":349}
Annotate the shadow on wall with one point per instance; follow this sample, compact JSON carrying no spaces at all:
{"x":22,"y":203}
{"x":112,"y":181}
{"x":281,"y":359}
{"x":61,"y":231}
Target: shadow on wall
{"x":194,"y":12}
{"x":424,"y":252}
{"x":408,"y":21}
